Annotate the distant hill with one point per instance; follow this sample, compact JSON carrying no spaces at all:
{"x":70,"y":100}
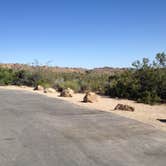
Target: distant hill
{"x":103,"y":70}
{"x":108,"y":70}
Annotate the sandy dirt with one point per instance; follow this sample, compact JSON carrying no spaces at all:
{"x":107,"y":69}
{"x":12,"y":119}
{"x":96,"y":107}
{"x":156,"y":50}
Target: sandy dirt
{"x":144,"y":113}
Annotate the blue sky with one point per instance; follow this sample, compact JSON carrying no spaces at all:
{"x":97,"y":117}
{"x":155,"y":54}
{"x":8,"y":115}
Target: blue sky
{"x":81,"y":33}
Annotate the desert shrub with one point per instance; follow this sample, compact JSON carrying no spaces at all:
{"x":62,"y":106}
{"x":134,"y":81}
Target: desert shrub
{"x":149,"y":97}
{"x":94,"y":82}
{"x":80,"y":82}
{"x":145,"y":83}
{"x":84,"y":86}
{"x":69,"y":84}
{"x":23,"y":77}
{"x":6,"y":76}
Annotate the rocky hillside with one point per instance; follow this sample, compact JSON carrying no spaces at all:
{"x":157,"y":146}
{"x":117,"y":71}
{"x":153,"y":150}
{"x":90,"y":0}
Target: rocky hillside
{"x":104,"y":70}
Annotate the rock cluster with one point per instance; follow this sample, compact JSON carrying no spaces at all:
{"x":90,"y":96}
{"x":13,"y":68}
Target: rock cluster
{"x":124,"y":107}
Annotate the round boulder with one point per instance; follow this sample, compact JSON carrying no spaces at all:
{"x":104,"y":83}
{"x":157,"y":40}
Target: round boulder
{"x":90,"y":97}
{"x":67,"y":93}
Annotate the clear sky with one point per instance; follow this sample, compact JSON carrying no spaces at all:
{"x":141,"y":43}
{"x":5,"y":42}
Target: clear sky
{"x":82,"y":33}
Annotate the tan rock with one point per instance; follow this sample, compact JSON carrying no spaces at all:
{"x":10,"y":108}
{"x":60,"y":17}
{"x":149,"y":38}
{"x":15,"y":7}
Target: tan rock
{"x":39,"y":88}
{"x":90,"y":97}
{"x":67,"y":93}
{"x":124,"y":107}
{"x":22,"y":86}
{"x":49,"y":90}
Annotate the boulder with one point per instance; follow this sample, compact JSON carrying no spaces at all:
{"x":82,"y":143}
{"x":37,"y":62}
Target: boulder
{"x":49,"y":90}
{"x":124,"y":107}
{"x":39,"y":88}
{"x":67,"y":93}
{"x":90,"y":97}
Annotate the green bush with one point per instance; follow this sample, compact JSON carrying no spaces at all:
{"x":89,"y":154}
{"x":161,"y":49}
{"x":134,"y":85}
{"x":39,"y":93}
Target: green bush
{"x":149,"y":97}
{"x":69,"y":84}
{"x":146,"y":83}
{"x":23,"y":77}
{"x":6,"y":76}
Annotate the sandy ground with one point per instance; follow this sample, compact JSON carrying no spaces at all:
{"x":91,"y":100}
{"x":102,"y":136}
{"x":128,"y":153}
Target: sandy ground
{"x":144,"y":113}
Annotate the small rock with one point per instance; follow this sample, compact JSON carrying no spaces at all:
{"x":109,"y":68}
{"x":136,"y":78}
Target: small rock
{"x":22,"y":86}
{"x":67,"y":93}
{"x":39,"y":88}
{"x":124,"y":107}
{"x":49,"y":90}
{"x":90,"y":97}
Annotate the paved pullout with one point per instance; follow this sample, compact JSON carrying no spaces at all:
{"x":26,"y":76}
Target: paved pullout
{"x":39,"y":131}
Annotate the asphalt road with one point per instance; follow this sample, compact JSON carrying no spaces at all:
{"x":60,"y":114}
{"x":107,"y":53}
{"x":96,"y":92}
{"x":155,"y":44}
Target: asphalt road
{"x":39,"y":131}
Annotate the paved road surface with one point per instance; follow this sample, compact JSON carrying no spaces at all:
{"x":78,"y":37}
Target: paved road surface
{"x":38,"y":131}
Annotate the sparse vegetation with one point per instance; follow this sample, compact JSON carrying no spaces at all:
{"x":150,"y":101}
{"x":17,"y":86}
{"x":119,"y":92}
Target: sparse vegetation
{"x":145,"y":82}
